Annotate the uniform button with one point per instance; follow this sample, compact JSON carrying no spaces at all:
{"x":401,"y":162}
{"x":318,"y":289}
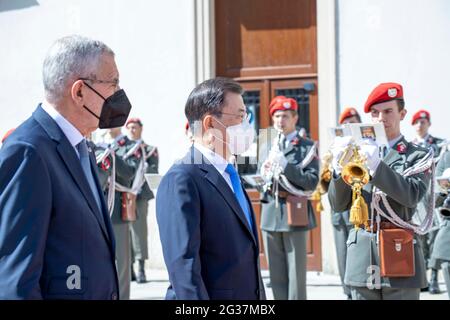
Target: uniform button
{"x":114,"y":296}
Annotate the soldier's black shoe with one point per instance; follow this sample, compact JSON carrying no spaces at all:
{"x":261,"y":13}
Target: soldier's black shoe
{"x":133,"y":274}
{"x":141,"y":277}
{"x":433,"y":285}
{"x":424,"y":289}
{"x":141,"y":274}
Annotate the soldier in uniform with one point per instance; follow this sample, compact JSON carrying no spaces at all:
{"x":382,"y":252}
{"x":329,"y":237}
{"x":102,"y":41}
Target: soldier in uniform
{"x":285,"y":245}
{"x":391,"y":170}
{"x":149,"y":156}
{"x":441,"y":252}
{"x":340,"y":220}
{"x":124,"y":173}
{"x":421,"y":121}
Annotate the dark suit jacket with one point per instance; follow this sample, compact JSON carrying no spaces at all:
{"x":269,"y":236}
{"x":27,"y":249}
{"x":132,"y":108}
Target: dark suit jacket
{"x":209,"y":249}
{"x":51,"y":230}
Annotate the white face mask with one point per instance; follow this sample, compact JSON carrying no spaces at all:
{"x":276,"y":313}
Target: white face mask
{"x":239,"y":137}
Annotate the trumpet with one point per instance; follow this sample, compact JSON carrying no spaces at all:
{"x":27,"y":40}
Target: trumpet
{"x":355,"y":174}
{"x":273,"y":175}
{"x":324,"y":181}
{"x":444,"y":210}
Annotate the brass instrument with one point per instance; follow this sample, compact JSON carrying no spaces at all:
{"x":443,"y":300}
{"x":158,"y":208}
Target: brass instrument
{"x":444,"y":210}
{"x":273,"y":176}
{"x":324,"y":181}
{"x":355,"y":174}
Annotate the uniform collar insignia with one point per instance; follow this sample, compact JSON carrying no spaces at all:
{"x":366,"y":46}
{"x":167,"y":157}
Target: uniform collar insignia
{"x":106,"y":164}
{"x":295,"y":141}
{"x":401,"y":147}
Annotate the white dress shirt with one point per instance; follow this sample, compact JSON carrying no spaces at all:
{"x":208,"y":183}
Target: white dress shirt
{"x":73,"y":135}
{"x":217,"y":161}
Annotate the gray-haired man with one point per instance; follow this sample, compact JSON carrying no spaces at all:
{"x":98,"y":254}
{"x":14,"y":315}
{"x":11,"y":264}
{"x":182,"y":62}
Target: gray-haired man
{"x":56,"y":240}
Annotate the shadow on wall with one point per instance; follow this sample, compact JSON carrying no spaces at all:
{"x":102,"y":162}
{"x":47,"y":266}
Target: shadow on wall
{"x":7,"y":5}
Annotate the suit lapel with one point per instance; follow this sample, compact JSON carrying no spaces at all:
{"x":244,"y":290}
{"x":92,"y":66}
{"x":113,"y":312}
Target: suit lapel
{"x":218,"y":182}
{"x":255,"y":229}
{"x":70,"y":158}
{"x":104,"y":209}
{"x":225,"y":191}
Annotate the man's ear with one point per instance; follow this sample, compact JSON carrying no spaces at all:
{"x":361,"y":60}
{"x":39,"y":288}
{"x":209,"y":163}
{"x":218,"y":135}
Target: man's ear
{"x":403,"y":114}
{"x":207,"y":123}
{"x":77,"y":91}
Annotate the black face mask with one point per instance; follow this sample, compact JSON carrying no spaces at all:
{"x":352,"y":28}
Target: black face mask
{"x":115,"y":110}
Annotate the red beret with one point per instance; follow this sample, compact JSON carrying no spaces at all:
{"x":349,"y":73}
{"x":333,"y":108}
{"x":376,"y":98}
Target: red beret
{"x":134,"y":120}
{"x":421,"y":114}
{"x":282,"y":103}
{"x":7,"y":134}
{"x":382,"y":93}
{"x":347,"y":113}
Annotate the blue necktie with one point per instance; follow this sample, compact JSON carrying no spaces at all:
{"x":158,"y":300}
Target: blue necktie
{"x":86,"y":165}
{"x":239,"y":193}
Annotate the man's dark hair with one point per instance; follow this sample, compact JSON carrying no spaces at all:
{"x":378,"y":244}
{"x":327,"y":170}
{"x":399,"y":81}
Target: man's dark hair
{"x":400,"y":104}
{"x":209,"y":97}
{"x":294,"y":113}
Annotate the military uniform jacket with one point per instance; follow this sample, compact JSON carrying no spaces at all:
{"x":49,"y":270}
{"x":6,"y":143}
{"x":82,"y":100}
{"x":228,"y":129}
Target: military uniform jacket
{"x":145,"y":194}
{"x":305,"y":179}
{"x":441,"y":250}
{"x":125,"y":172}
{"x":403,"y":195}
{"x":431,"y":142}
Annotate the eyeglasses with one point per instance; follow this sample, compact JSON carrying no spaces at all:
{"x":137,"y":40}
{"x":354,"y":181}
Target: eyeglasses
{"x":242,"y":116}
{"x":114,"y":82}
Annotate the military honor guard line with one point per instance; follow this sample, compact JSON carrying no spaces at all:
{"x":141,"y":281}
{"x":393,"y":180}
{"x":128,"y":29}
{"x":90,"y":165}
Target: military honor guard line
{"x":73,"y":211}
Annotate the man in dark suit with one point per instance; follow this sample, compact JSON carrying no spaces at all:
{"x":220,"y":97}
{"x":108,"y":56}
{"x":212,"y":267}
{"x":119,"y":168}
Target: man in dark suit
{"x":56,"y":240}
{"x":205,"y":218}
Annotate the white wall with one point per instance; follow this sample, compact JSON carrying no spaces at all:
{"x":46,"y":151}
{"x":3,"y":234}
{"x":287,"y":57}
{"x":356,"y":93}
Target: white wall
{"x":155,"y":52}
{"x":154,"y":42}
{"x":405,"y":41}
{"x":326,"y":54}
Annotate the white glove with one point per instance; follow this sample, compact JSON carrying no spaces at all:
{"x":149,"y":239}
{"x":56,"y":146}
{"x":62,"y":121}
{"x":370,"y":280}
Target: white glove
{"x":265,"y":170}
{"x":339,"y":145}
{"x":279,"y":158}
{"x":370,"y":150}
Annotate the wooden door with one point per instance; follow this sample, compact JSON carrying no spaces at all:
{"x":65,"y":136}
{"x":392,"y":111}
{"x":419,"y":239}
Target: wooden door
{"x":271,"y":50}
